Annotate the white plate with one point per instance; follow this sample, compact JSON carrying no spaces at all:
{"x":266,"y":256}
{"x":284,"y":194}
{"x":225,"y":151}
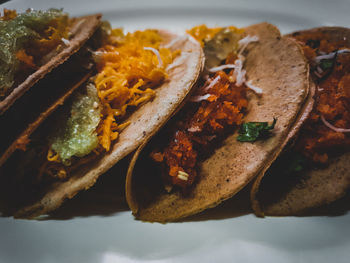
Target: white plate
{"x":96,"y":232}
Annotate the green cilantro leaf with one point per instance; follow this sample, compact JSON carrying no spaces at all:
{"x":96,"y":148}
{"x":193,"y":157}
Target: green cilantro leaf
{"x":252,"y":131}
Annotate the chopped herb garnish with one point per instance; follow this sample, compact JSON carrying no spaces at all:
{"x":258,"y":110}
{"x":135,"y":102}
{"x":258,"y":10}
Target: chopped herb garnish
{"x":252,"y":131}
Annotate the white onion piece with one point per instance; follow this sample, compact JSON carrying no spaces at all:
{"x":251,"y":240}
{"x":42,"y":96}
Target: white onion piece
{"x":212,"y":83}
{"x":244,"y":42}
{"x":331,"y":55}
{"x":194,"y":129}
{"x":333,"y":127}
{"x":200,"y":98}
{"x":327,"y":56}
{"x":222,"y":67}
{"x":97,"y":55}
{"x":156,"y":52}
{"x":256,"y":89}
{"x":248,"y":39}
{"x":319,"y":89}
{"x":239,"y":72}
{"x":65,"y":41}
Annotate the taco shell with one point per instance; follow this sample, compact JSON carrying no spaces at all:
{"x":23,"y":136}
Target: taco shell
{"x":29,"y":104}
{"x":316,"y":186}
{"x":182,"y":74}
{"x":276,"y":65}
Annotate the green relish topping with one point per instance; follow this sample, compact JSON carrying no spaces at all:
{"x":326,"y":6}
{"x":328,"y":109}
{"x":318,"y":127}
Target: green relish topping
{"x":22,"y":32}
{"x":78,"y":136}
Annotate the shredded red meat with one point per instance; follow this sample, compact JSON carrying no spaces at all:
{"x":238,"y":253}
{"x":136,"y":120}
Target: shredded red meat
{"x":211,"y":117}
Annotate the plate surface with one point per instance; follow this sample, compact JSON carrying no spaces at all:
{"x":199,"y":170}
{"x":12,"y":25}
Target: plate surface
{"x":94,"y":228}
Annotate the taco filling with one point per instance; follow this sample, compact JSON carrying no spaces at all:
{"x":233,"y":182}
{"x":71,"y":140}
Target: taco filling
{"x":29,"y":40}
{"x":315,"y":170}
{"x":133,"y":81}
{"x":129,"y":68}
{"x":327,"y":130}
{"x":217,"y":106}
{"x":202,"y":158}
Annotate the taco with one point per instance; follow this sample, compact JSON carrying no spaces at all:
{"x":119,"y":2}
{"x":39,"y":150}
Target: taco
{"x":138,"y":78}
{"x":254,"y":79}
{"x":34,"y":44}
{"x":314,"y":170}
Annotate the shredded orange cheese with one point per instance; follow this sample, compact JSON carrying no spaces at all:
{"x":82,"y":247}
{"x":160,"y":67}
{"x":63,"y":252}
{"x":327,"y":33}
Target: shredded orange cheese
{"x":127,"y":75}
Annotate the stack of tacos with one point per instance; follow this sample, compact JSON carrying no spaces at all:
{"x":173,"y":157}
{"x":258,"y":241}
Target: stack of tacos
{"x":207,"y":113}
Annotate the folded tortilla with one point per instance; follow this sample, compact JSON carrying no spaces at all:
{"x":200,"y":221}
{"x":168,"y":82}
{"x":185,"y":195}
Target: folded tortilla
{"x":20,"y":201}
{"x":279,"y":195}
{"x":31,"y":102}
{"x":276,"y":65}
